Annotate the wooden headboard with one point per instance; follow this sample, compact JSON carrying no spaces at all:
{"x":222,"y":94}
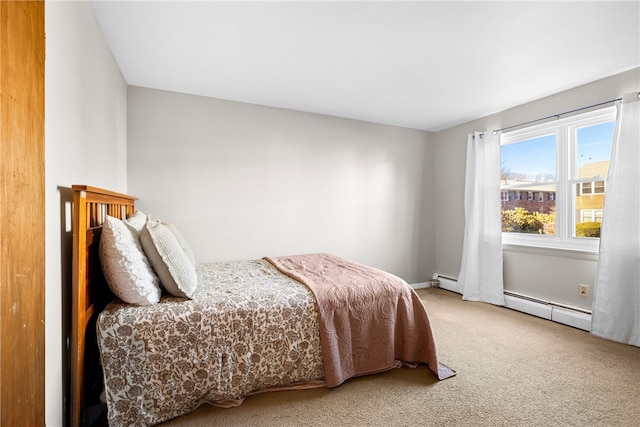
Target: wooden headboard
{"x":90,"y":293}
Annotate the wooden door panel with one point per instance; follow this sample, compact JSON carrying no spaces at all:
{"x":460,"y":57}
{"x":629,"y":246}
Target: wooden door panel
{"x":22,"y":207}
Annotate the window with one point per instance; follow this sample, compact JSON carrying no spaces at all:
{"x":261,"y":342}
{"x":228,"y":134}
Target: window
{"x":587,"y":188}
{"x":598,"y":187}
{"x":590,"y":188}
{"x":568,"y":160}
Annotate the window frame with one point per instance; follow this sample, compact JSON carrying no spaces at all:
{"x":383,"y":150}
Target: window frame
{"x":565,"y":131}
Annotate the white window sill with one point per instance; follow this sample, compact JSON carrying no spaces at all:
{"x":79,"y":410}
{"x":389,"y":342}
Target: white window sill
{"x":551,"y":250}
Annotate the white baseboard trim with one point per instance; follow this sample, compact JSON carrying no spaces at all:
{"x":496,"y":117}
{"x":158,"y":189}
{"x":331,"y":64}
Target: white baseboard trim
{"x":420,"y":285}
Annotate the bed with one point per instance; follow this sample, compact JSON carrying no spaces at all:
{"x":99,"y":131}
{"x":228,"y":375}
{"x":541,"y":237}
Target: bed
{"x":218,"y":332}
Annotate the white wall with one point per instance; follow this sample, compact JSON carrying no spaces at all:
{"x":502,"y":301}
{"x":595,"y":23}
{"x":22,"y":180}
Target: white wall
{"x":217,"y":170}
{"x":243,"y":181}
{"x":85,"y":142}
{"x":550,"y":275}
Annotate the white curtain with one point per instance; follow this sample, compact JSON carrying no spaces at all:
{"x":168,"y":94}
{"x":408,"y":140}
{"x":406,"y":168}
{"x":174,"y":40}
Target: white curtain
{"x":616,"y":301}
{"x":480,"y":277}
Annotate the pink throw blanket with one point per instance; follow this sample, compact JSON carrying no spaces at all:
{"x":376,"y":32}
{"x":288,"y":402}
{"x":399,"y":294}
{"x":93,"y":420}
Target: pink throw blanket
{"x":369,"y":319}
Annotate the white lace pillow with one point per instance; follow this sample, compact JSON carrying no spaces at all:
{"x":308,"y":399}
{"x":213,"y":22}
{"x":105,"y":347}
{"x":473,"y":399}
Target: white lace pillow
{"x":174,"y":268}
{"x":125,"y":266}
{"x":136,"y":221}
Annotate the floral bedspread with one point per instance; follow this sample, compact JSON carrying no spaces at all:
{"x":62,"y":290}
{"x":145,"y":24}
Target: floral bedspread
{"x":248,"y":328}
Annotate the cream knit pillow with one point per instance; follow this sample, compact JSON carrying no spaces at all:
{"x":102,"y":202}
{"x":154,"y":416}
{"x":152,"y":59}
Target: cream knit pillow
{"x":172,"y":265}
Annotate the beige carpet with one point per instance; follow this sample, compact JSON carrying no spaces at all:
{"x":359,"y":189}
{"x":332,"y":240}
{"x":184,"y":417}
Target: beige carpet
{"x":513,"y":370}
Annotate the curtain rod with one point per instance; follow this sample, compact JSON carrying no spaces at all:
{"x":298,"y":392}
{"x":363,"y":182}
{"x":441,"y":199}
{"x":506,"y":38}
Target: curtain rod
{"x":557,"y":116}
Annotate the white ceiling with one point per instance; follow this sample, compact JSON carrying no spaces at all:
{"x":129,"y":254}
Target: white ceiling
{"x":424,"y":65}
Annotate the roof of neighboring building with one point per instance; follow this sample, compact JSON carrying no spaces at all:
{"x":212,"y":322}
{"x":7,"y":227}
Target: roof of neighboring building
{"x":528,"y":186}
{"x":594,"y":169}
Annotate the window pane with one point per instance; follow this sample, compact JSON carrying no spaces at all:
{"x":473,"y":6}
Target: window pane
{"x":528,"y":168}
{"x":533,"y":160}
{"x":531,"y":216}
{"x":588,"y":210}
{"x":594,"y":150}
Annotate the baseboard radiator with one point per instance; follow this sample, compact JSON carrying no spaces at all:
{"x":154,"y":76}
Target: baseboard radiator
{"x":556,"y":312}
